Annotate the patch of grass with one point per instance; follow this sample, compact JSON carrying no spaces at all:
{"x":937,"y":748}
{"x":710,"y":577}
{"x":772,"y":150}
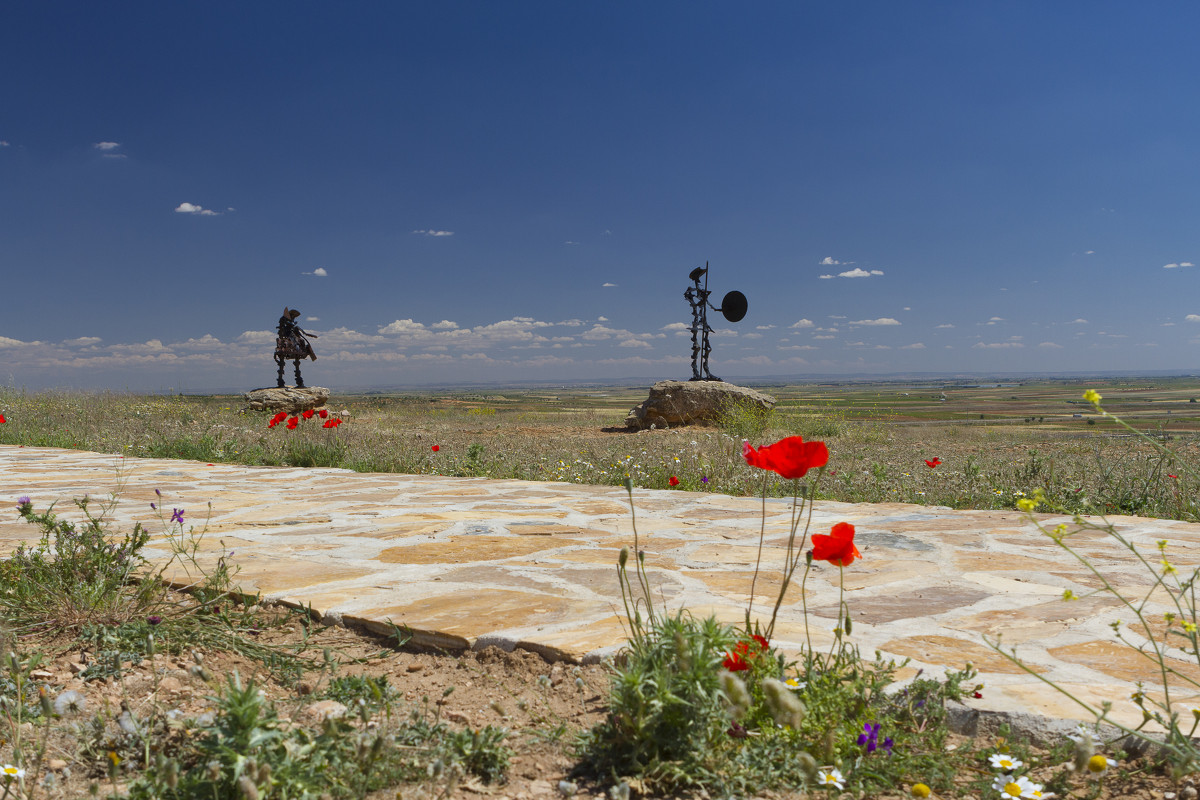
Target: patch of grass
{"x":555,"y":437}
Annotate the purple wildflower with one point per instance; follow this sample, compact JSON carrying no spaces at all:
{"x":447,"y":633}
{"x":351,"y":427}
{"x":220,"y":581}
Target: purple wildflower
{"x":153,"y":507}
{"x":869,"y":737}
{"x":704,"y":479}
{"x":177,"y":515}
{"x":23,"y":500}
{"x":154,"y":619}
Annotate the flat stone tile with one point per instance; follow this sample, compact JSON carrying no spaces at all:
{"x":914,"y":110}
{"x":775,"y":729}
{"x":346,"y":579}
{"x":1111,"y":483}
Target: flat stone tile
{"x":469,"y":562}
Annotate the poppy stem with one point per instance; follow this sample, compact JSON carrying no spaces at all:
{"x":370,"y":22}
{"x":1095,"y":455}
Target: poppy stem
{"x":792,"y":557}
{"x":758,"y":560}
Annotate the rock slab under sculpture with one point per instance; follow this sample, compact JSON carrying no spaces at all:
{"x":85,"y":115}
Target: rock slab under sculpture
{"x":675,"y":403}
{"x":292,"y":399}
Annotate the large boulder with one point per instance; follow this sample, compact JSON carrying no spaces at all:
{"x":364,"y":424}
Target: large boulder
{"x":675,"y":403}
{"x":292,"y":399}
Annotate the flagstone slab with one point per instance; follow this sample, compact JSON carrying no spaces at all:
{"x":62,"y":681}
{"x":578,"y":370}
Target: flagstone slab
{"x":468,"y":562}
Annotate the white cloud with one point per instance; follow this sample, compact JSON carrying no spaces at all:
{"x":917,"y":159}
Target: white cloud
{"x":319,"y":272}
{"x":829,"y":261}
{"x":403,"y":326}
{"x":1192,"y":318}
{"x":996,"y":319}
{"x":431,"y":232}
{"x":1050,"y":345}
{"x":828,"y":277}
{"x":823,"y":336}
{"x":205,"y":342}
{"x":996,"y":345}
{"x":880,"y":321}
{"x":257,"y":337}
{"x":945,"y":325}
{"x":106,"y":145}
{"x":678,"y":328}
{"x":601,"y":319}
{"x":763,"y":327}
{"x":858,"y":272}
{"x":3,"y":143}
{"x":7,"y":342}
{"x":444,"y":325}
{"x":607,"y":285}
{"x":190,"y":208}
{"x":803,"y":323}
{"x":83,"y":341}
{"x":1089,"y":252}
{"x":312,"y":319}
{"x":913,"y":346}
{"x":1078,"y":321}
{"x":1180,"y":264}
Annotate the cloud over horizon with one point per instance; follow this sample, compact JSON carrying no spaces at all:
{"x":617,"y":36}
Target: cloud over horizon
{"x":190,"y":208}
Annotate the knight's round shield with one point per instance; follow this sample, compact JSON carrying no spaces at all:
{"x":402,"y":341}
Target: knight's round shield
{"x":734,"y":306}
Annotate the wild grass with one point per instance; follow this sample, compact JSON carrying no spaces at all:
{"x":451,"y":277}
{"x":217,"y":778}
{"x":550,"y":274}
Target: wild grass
{"x":878,"y":454}
{"x":90,"y":586}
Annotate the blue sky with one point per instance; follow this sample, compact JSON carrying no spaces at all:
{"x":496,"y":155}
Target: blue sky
{"x":495,"y":191}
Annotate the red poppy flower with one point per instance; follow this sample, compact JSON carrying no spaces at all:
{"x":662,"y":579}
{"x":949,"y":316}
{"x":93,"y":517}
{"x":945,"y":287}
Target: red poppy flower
{"x":308,"y":413}
{"x":674,"y":481}
{"x":978,"y":695}
{"x":322,"y":413}
{"x":332,"y":423}
{"x":272,"y":423}
{"x":933,"y":463}
{"x":838,"y":547}
{"x":1169,"y":475}
{"x":292,"y":423}
{"x":2,"y":419}
{"x":791,"y":457}
{"x":735,"y":661}
{"x":762,"y":642}
{"x":435,"y":448}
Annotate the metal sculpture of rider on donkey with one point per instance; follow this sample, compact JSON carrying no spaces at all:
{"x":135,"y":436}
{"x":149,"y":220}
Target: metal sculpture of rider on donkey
{"x":292,"y":343}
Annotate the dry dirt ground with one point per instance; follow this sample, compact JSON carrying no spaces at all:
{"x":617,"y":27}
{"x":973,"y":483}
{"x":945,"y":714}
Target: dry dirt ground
{"x":542,"y":705}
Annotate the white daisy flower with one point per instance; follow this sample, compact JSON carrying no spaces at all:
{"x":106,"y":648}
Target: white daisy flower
{"x":1098,"y":765}
{"x":1009,"y":786}
{"x":9,"y":772}
{"x":1005,"y":762}
{"x":831,"y":777}
{"x":1081,"y":731}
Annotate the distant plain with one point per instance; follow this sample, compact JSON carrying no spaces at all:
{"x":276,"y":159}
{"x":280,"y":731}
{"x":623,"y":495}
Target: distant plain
{"x":995,"y":442}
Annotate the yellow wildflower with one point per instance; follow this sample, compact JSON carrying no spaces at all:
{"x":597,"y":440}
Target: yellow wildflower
{"x":1092,"y":396}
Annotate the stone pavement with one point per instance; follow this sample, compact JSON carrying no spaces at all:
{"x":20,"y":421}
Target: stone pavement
{"x":468,"y":562}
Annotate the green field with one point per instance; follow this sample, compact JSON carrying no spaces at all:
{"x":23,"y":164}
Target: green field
{"x":996,"y":441}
